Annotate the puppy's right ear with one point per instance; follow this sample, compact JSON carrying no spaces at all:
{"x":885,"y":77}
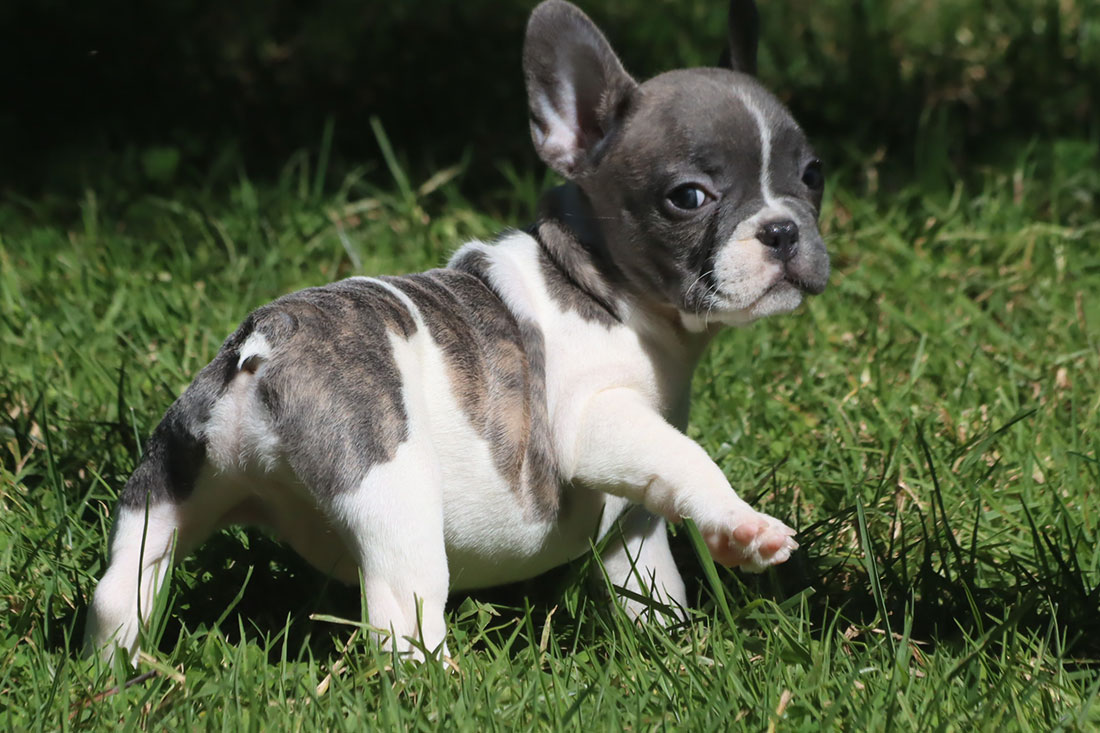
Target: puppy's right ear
{"x":577,"y":88}
{"x":744,"y":33}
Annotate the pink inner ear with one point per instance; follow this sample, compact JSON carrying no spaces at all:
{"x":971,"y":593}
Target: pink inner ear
{"x":560,"y":149}
{"x":555,"y":133}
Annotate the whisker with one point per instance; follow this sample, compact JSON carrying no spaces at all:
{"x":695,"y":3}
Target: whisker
{"x":696,"y":281}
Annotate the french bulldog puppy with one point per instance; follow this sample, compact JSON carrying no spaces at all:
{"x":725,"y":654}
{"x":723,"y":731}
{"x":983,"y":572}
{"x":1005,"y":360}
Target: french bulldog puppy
{"x":485,"y":422}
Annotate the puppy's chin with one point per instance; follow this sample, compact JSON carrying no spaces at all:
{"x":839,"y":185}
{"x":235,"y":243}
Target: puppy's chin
{"x":781,"y":297}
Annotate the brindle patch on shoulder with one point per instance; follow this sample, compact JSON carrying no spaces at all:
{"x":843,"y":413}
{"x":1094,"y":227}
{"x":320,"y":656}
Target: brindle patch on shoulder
{"x":497,"y":369}
{"x":563,"y":269}
{"x":573,"y":261}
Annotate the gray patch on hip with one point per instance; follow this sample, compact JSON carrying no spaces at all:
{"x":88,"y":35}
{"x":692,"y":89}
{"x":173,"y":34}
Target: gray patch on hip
{"x":332,"y":386}
{"x":333,"y":392}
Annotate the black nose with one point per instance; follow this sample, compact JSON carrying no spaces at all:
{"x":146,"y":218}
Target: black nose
{"x":782,"y":237}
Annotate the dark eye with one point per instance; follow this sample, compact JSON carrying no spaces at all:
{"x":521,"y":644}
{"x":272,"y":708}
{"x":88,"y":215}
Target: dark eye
{"x":813,"y":177}
{"x":687,"y":197}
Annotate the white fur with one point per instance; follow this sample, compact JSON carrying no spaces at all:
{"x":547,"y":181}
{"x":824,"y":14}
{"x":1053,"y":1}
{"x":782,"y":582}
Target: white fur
{"x":395,"y":525}
{"x":773,"y":203}
{"x":640,"y":561}
{"x":126,"y":594}
{"x":610,"y":393}
{"x":439,"y":515}
{"x":239,"y":433}
{"x":397,"y":293}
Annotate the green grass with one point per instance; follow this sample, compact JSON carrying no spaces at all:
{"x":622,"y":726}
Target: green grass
{"x":931,"y":424}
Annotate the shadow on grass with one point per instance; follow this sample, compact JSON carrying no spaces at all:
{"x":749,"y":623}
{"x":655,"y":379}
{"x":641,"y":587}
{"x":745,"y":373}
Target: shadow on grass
{"x":923,"y":579}
{"x":266,"y":591}
{"x":948,"y":586}
{"x":251,"y":586}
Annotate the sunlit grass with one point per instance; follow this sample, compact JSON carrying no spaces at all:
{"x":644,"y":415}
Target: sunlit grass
{"x":930,"y":424}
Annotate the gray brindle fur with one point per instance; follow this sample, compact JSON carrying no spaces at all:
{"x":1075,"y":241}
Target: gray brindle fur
{"x":484,"y":422}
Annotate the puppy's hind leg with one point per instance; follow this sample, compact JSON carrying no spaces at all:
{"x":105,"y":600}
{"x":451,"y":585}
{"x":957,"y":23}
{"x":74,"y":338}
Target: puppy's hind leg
{"x":172,"y":502}
{"x":143,"y":541}
{"x":152,"y":529}
{"x":394,"y":520}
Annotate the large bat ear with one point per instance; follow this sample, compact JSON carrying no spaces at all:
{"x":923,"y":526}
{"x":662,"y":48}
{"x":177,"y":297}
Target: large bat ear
{"x":577,"y":89}
{"x":744,"y":30}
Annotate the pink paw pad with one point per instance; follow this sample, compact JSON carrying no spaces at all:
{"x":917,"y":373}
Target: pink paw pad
{"x":753,"y":544}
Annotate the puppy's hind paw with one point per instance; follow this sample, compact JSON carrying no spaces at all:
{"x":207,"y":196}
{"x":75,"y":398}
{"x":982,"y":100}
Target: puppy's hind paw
{"x":751,"y":541}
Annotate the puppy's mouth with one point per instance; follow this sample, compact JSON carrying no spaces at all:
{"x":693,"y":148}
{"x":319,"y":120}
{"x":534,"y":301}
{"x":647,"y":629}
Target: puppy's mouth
{"x":787,"y":280}
{"x":803,"y":285}
{"x":779,"y":284}
{"x":798,"y":283}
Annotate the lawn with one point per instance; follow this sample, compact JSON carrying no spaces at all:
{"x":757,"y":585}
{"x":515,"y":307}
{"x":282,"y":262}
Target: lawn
{"x":930,"y":424}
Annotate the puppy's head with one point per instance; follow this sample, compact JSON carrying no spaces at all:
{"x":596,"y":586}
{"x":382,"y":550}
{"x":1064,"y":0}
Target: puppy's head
{"x":703,"y":186}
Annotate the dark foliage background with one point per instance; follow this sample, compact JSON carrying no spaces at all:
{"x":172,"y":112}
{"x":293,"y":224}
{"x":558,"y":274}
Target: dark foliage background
{"x":153,"y":91}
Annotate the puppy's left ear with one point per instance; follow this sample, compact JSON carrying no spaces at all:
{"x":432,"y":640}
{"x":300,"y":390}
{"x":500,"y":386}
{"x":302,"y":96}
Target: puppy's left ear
{"x":577,"y":89}
{"x":744,"y":35}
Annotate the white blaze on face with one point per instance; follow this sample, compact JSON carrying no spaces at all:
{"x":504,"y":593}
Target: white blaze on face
{"x":765,"y":135}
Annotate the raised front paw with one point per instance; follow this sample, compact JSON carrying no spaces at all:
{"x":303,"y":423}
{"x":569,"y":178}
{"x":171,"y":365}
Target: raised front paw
{"x":747,"y":539}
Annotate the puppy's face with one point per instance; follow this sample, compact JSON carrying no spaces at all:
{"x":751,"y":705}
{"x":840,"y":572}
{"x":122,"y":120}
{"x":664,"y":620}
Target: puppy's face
{"x":703,"y":186}
{"x":708,"y":196}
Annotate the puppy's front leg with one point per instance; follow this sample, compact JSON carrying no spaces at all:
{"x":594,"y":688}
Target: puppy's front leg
{"x":625,"y":448}
{"x":639,"y":559}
